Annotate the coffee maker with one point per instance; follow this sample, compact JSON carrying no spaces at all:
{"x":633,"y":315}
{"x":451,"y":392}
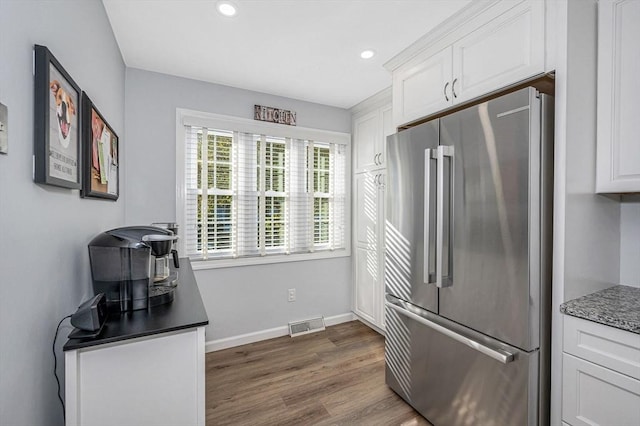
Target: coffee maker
{"x":122,"y":267}
{"x":161,"y":247}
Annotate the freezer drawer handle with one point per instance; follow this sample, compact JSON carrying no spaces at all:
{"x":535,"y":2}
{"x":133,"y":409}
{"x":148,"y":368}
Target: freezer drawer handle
{"x":497,"y":354}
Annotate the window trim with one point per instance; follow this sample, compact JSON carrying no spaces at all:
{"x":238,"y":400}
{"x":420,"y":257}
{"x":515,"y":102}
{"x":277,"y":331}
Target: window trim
{"x":186,"y":117}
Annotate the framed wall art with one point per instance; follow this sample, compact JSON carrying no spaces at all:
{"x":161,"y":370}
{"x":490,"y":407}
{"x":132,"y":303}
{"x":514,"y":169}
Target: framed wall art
{"x":57,"y":148}
{"x":100,"y":147}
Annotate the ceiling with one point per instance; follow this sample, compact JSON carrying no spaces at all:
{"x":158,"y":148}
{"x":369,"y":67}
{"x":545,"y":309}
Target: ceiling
{"x":301,"y":49}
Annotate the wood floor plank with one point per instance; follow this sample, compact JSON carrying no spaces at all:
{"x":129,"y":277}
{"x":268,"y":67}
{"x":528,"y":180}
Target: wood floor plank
{"x":333,"y":377}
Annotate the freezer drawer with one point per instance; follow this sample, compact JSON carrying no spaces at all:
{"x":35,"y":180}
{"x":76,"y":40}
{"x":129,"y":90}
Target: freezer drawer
{"x":455,"y":376}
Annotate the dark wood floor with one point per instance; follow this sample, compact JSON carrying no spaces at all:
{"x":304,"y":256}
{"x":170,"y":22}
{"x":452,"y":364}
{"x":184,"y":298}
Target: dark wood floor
{"x":333,"y":377}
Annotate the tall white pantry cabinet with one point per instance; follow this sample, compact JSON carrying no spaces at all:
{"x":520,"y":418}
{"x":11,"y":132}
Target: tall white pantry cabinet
{"x":372,"y":123}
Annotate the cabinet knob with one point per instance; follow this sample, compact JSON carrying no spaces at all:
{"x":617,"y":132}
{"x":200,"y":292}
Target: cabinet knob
{"x":453,"y":88}
{"x":445,"y":91}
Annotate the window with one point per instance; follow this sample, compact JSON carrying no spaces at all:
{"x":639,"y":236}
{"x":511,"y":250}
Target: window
{"x":253,"y":190}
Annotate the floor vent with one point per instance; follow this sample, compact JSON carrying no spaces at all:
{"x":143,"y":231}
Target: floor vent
{"x":305,"y":327}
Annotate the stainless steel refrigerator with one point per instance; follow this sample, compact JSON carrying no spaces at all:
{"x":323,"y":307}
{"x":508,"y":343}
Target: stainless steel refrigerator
{"x":468,"y":263}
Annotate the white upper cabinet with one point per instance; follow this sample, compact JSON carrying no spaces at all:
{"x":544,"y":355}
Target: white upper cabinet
{"x":367,"y":142}
{"x":507,"y":49}
{"x":424,"y":84}
{"x":370,"y":131}
{"x":618,"y":163}
{"x":490,"y":45}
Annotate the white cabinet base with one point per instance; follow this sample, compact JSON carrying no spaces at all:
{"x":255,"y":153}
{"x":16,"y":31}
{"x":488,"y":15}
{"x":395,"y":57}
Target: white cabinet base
{"x":594,"y":395}
{"x":600,"y":374}
{"x":155,"y":380}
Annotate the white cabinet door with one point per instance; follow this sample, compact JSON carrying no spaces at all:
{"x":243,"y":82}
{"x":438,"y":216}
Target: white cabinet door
{"x":366,"y":280}
{"x":367,"y":142}
{"x":503,"y":51}
{"x":366,"y":211}
{"x":618,"y":163}
{"x":594,"y":395}
{"x":381,"y":248}
{"x":368,"y":247}
{"x":422,"y":86}
{"x":387,"y":129}
{"x":154,"y":380}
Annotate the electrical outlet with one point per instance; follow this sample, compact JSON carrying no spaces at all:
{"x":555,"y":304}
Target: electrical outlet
{"x":292,"y":295}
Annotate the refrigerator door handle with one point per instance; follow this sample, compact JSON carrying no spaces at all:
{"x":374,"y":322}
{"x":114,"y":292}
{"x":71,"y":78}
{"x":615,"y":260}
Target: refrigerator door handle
{"x":441,"y":152}
{"x":498,"y":354}
{"x":428,"y":276}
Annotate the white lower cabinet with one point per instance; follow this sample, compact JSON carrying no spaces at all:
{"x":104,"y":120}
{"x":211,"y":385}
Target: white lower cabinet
{"x":368,"y":283}
{"x":154,"y":380}
{"x":601,"y":375}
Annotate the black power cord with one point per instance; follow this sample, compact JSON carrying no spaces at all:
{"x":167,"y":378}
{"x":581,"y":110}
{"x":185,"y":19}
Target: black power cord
{"x":55,"y":365}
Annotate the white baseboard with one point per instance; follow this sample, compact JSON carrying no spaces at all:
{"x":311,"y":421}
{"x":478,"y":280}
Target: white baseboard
{"x":257,"y":336}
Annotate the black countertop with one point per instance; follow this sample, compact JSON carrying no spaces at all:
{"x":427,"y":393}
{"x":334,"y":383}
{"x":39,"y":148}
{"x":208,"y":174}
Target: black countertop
{"x":185,"y":311}
{"x":617,"y":306}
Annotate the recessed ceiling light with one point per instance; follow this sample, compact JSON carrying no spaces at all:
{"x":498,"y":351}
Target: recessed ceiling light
{"x":226,"y":8}
{"x":367,"y":54}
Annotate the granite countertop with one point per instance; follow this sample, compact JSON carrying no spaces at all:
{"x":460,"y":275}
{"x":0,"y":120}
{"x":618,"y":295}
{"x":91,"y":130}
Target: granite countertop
{"x":185,"y":311}
{"x":617,"y":306}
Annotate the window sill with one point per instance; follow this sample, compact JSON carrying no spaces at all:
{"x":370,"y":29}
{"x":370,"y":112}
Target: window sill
{"x":198,"y":265}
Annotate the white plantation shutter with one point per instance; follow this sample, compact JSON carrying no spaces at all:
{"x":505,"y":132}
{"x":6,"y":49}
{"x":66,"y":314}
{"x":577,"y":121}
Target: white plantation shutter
{"x":190,"y":233}
{"x":338,"y":196}
{"x":247,"y":195}
{"x":255,"y":195}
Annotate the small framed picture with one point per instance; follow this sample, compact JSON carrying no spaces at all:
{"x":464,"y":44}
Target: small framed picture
{"x":57,"y":148}
{"x":100,"y":146}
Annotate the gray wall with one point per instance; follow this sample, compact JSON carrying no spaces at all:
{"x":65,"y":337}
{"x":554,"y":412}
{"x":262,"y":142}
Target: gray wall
{"x":44,"y":230}
{"x":630,"y":241}
{"x":592,"y":222}
{"x":243,"y":299}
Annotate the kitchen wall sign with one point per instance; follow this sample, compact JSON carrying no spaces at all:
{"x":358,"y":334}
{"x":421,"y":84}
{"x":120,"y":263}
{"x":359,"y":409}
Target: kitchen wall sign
{"x":274,"y":115}
{"x":56,"y":123}
{"x":100,"y":165}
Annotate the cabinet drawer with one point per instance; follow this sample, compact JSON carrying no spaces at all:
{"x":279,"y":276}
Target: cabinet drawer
{"x":594,"y":395}
{"x":610,"y":347}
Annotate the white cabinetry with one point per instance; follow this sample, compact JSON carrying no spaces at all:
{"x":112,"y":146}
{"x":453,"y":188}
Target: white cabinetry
{"x":155,"y":380}
{"x":372,"y":123}
{"x":423,"y":84}
{"x":618,"y":169}
{"x":369,"y":133}
{"x":368,"y":282}
{"x":601,"y":374}
{"x":483,"y":51}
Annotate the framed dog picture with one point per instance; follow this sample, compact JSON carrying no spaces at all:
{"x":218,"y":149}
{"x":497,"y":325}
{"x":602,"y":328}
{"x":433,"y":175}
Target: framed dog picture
{"x":56,"y":123}
{"x":100,"y":154}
